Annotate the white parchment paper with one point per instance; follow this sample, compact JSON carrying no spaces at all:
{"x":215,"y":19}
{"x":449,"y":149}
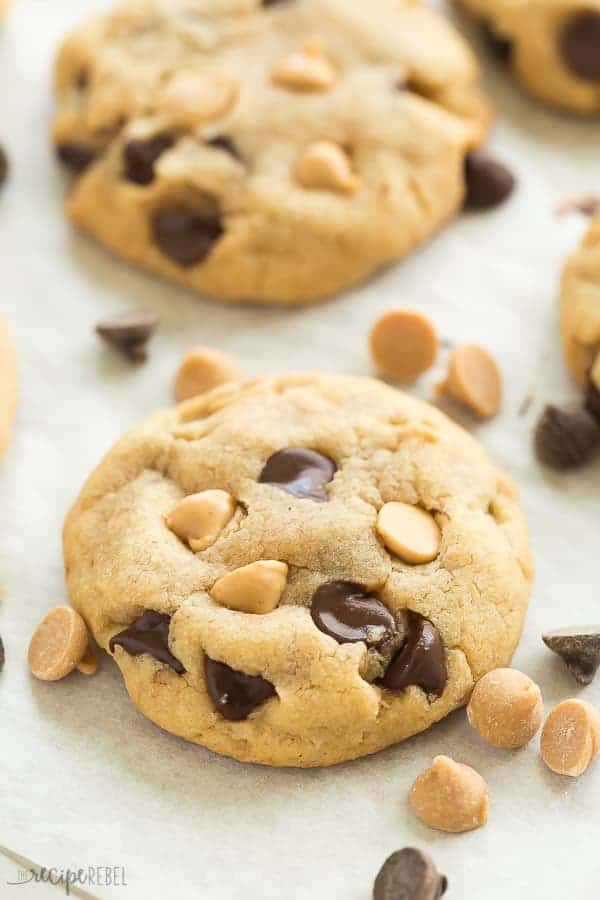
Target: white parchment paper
{"x":84,"y":779}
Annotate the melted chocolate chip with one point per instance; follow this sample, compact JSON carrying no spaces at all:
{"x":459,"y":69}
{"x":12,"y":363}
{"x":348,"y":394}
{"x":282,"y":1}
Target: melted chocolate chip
{"x":500,"y":47}
{"x":580,"y":45}
{"x":301,"y":472}
{"x":421,"y":661}
{"x":226,"y":145}
{"x":566,"y":437}
{"x":75,"y":157}
{"x":347,"y":613}
{"x":592,"y":400}
{"x":488,"y":182}
{"x":3,"y":167}
{"x":149,"y":634}
{"x":139,"y":157}
{"x":185,"y":236}
{"x":409,"y":874}
{"x":235,"y":695}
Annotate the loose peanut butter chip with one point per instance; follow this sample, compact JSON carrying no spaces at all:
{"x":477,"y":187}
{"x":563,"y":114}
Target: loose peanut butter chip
{"x":307,"y":69}
{"x":506,"y":708}
{"x":256,"y":588}
{"x":203,"y":369}
{"x":325,"y":166}
{"x":200,"y":518}
{"x":404,"y":344}
{"x":450,"y":796}
{"x":193,"y":97}
{"x":58,"y":645}
{"x":410,"y":532}
{"x":474,"y":379}
{"x":571,"y":737}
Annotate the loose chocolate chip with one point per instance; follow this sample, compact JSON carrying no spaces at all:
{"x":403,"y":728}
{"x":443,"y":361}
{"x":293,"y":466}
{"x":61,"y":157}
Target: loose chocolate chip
{"x":580,"y":45}
{"x":149,"y":634}
{"x":500,"y":47}
{"x":129,"y":334}
{"x":2,"y":655}
{"x":579,"y":648}
{"x":347,"y":613}
{"x":185,"y":236}
{"x":592,"y":399}
{"x":235,"y":695}
{"x":75,"y":157}
{"x":421,"y":661}
{"x":3,"y":167}
{"x":488,"y":182}
{"x":226,"y":144}
{"x":139,"y":157}
{"x":409,"y":874}
{"x":566,"y":437}
{"x":301,"y":472}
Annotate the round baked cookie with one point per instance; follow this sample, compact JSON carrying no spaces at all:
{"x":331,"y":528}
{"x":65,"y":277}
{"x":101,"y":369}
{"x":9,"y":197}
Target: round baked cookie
{"x":552,"y":46}
{"x":9,"y":384}
{"x":580,"y":305}
{"x":300,"y":570}
{"x":275,"y":151}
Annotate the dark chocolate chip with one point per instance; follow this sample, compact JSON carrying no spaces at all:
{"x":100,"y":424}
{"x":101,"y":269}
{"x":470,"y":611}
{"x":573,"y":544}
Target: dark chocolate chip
{"x":139,"y":157}
{"x":75,"y":157}
{"x":349,"y":614}
{"x":301,"y":472}
{"x":592,"y":399}
{"x":82,"y":81}
{"x":129,"y":334}
{"x":185,"y":236}
{"x":235,"y":695}
{"x":2,"y":655}
{"x":488,"y":182}
{"x":566,"y":437}
{"x":580,"y":45}
{"x":149,"y":634}
{"x":3,"y":167}
{"x":226,"y":145}
{"x":579,"y":648}
{"x":501,"y":47}
{"x":274,"y":2}
{"x":421,"y":661}
{"x":409,"y":874}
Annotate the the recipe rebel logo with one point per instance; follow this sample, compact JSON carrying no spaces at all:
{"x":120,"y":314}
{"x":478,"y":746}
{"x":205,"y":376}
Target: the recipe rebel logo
{"x":87,"y":877}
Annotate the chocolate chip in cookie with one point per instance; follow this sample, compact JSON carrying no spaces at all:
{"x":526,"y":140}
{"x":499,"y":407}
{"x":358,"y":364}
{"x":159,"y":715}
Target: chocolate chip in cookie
{"x":75,"y":157}
{"x":421,"y":661}
{"x":349,"y":614}
{"x":488,"y":182}
{"x":580,"y":45}
{"x":300,"y":472}
{"x":226,"y":144}
{"x":409,"y":874}
{"x":566,"y":437}
{"x":185,"y":236}
{"x":500,"y":46}
{"x":129,"y":334}
{"x":592,"y":398}
{"x":139,"y":157}
{"x":579,"y":648}
{"x":148,"y":634}
{"x":235,"y":695}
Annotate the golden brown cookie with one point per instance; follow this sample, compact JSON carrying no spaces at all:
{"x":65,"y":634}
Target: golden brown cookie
{"x":580,"y":305}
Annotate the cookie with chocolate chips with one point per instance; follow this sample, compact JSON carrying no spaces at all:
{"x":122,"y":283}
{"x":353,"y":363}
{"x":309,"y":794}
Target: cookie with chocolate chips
{"x":300,"y":570}
{"x":267,"y":151}
{"x":553,"y":47}
{"x":580,"y":313}
{"x":9,"y":384}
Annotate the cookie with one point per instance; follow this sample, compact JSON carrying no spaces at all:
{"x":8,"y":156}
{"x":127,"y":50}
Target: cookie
{"x":266,"y":151}
{"x":580,"y":305}
{"x":9,"y":384}
{"x":553,"y":47}
{"x":303,"y":629}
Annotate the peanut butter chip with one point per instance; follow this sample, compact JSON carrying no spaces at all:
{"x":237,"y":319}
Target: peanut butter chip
{"x":307,"y":69}
{"x":200,"y":518}
{"x":410,"y":532}
{"x":450,"y":796}
{"x":256,"y":588}
{"x":58,"y":645}
{"x":203,"y":369}
{"x":325,"y":166}
{"x":190,"y":98}
{"x":506,"y":708}
{"x":474,"y":379}
{"x":571,"y":737}
{"x":404,"y":344}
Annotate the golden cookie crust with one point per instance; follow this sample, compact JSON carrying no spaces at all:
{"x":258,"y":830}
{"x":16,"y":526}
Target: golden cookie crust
{"x":9,"y":384}
{"x":121,"y":560}
{"x":580,"y":305}
{"x":405,"y":105}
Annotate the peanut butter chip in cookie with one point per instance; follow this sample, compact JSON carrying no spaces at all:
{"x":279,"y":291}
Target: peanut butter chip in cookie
{"x":191,"y":98}
{"x":307,"y":69}
{"x":326,"y":166}
{"x":203,"y":369}
{"x":571,"y":737}
{"x":450,"y":796}
{"x":404,"y":344}
{"x":410,"y":532}
{"x":234,"y":694}
{"x":58,"y":644}
{"x":474,"y":379}
{"x":200,"y":518}
{"x":256,"y":588}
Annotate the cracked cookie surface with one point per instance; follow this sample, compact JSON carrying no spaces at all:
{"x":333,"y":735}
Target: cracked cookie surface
{"x":552,"y":46}
{"x":297,"y":636}
{"x":580,"y":305}
{"x":273,"y":152}
{"x":9,"y":384}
